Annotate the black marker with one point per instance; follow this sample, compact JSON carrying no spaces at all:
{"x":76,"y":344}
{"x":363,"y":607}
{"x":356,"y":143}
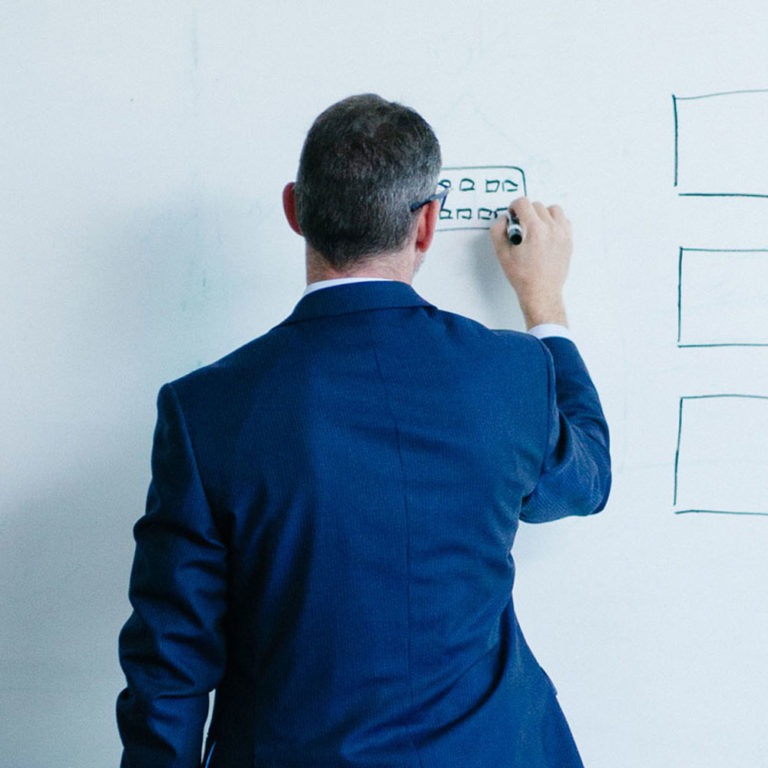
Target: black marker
{"x":514,"y":230}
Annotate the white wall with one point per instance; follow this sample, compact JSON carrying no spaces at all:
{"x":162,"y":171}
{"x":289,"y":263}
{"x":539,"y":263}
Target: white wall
{"x":143,"y":148}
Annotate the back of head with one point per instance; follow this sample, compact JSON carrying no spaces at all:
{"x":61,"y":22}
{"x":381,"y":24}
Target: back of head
{"x":365,"y":162}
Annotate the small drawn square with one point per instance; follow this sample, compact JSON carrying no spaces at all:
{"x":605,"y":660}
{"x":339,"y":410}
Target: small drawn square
{"x":721,"y":464}
{"x":720,"y":144}
{"x":721,"y":298}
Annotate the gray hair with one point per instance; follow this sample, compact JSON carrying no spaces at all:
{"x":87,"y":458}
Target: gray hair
{"x":364,"y":163}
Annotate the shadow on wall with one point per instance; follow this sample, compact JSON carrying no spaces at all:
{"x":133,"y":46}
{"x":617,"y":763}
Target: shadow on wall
{"x":137,"y":302}
{"x":66,"y":554}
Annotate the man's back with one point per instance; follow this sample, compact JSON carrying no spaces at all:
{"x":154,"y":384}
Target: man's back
{"x":359,"y":474}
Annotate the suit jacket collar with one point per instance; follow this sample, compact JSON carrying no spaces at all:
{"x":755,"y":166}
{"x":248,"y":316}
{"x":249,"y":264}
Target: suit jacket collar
{"x":355,"y":297}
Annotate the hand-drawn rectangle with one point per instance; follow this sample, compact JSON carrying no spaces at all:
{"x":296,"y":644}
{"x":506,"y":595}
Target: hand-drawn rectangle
{"x":478,"y":194}
{"x":721,"y":463}
{"x":720,"y":144}
{"x":721,"y":298}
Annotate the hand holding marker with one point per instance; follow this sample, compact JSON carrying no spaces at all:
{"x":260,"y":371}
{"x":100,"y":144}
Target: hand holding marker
{"x":514,"y":229}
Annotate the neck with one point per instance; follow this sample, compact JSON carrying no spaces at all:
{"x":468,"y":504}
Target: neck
{"x":391,"y":266}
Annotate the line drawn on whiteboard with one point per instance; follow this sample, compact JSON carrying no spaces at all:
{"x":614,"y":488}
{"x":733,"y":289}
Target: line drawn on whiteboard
{"x":720,"y":461}
{"x":721,"y":299}
{"x":719,"y":144}
{"x":479,"y":193}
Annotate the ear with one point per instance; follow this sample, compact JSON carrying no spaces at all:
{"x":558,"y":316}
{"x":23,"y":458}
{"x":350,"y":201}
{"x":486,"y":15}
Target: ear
{"x":289,"y":206}
{"x":426,"y":225}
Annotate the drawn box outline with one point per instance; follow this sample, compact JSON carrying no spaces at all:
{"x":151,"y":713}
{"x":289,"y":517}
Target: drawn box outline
{"x":677,"y":455}
{"x":675,"y":100}
{"x":479,"y":168}
{"x":707,"y":345}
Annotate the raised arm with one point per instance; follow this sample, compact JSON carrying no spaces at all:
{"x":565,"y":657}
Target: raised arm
{"x":576,"y":475}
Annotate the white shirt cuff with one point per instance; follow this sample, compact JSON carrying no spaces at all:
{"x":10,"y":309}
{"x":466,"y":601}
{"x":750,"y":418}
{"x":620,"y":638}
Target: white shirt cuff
{"x":547,"y":330}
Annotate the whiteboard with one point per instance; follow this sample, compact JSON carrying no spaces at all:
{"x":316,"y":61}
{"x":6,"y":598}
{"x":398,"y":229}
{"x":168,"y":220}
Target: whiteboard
{"x":143,"y":149}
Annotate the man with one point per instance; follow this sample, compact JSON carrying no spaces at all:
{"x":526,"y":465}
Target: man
{"x":328,"y":528}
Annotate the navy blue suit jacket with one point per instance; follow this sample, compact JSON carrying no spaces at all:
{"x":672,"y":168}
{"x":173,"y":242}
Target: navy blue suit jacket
{"x":327,"y":543}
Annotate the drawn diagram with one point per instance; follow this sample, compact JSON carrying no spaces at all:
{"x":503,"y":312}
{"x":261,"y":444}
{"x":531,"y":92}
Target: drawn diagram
{"x":721,"y":298}
{"x":721,"y":463}
{"x":478,"y":194}
{"x":720,"y":144}
{"x":720,"y":460}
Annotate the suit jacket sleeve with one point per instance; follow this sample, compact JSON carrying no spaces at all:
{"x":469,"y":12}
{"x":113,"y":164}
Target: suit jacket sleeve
{"x":576,"y":473}
{"x":172,"y":649}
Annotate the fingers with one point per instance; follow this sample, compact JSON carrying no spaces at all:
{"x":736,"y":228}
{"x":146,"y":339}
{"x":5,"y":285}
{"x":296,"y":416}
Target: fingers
{"x":542,"y":211}
{"x":536,"y":220}
{"x":557,"y":213}
{"x":559,"y":217}
{"x":525,"y":209}
{"x":533,"y":215}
